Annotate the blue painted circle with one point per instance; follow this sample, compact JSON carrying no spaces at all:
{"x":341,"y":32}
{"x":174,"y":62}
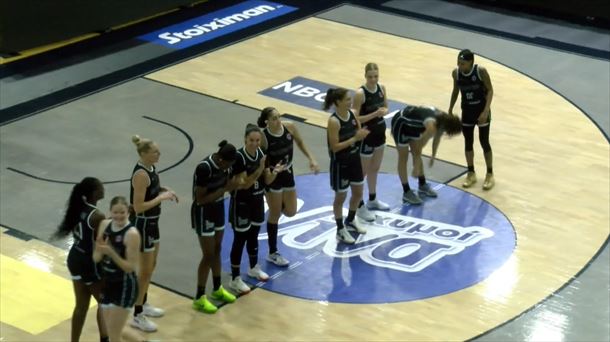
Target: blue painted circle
{"x":411,"y":252}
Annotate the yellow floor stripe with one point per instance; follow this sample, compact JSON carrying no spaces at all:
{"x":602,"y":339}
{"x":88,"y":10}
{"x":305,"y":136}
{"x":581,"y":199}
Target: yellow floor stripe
{"x":33,"y":300}
{"x":40,"y":49}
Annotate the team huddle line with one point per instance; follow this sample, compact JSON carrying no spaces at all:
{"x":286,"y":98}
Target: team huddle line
{"x":113,"y":259}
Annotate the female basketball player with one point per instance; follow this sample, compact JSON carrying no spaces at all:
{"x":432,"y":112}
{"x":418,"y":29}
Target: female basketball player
{"x":146,"y":196}
{"x":412,"y":127}
{"x":370,"y":105}
{"x":474,"y":84}
{"x":247,"y":209}
{"x":344,"y":134}
{"x":278,"y":142}
{"x":212,"y":178}
{"x":118,"y":248}
{"x":82,"y":219}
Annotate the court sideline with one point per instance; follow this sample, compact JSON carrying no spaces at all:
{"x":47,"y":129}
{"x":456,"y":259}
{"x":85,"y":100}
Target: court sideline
{"x":450,"y":37}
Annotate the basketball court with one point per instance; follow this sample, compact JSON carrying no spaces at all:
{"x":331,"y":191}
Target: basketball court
{"x":455,"y":268}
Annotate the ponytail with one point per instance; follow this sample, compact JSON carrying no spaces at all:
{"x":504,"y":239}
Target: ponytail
{"x":332,"y":96}
{"x":76,"y":204}
{"x":261,"y":122}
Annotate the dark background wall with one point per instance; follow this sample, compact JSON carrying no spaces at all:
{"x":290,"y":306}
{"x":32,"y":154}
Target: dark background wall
{"x":586,"y":12}
{"x":26,"y":24}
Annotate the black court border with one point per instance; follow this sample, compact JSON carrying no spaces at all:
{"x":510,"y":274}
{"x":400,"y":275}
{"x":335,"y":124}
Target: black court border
{"x":67,"y":95}
{"x":87,"y":88}
{"x":305,"y":10}
{"x":378,"y":5}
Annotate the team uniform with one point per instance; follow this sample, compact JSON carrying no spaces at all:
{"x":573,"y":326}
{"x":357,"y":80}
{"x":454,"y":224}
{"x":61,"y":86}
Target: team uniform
{"x":247,"y":205}
{"x":120,"y":288}
{"x":280,"y":148}
{"x":80,"y":258}
{"x":473,"y":96}
{"x":376,"y":138}
{"x":409,"y":124}
{"x":208,"y":218}
{"x":147,"y":222}
{"x":345,"y":166}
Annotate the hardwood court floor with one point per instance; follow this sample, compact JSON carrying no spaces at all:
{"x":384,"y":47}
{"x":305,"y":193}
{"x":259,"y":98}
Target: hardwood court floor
{"x":546,"y":154}
{"x":544,"y":168}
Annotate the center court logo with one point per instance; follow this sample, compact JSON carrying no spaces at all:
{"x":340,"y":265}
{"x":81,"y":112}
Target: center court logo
{"x":408,"y":253}
{"x":394,"y":241}
{"x":215,"y":24}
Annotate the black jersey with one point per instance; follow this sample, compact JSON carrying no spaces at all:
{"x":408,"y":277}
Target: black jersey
{"x":152,"y":191}
{"x":248,"y":163}
{"x":372,"y":102}
{"x":117,"y":241}
{"x":472,"y":88}
{"x":209,"y":175}
{"x":347,"y":129}
{"x":410,"y":123}
{"x":83,"y":234}
{"x":279,"y":147}
{"x":417,"y":116}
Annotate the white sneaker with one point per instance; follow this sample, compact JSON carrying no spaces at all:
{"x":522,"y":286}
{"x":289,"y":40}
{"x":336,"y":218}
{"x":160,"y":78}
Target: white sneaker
{"x":344,"y":236}
{"x":239,"y":286}
{"x":277,"y":259}
{"x":141,"y":322}
{"x":364,"y":214}
{"x":355,"y":227}
{"x":257,"y":273}
{"x":377,"y":205}
{"x":151,"y":311}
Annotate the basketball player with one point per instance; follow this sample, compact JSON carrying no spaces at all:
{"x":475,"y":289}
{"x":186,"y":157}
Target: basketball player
{"x":412,"y":127}
{"x":82,"y":219}
{"x":247,"y":209}
{"x":146,"y":195}
{"x":118,"y":248}
{"x":278,"y":140}
{"x":370,"y":105}
{"x":212,"y":178}
{"x":344,"y":135}
{"x":474,"y":84}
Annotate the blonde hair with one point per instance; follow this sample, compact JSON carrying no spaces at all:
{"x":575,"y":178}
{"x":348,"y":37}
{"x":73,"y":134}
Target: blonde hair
{"x":142,"y":145}
{"x":118,"y":200}
{"x":370,"y":66}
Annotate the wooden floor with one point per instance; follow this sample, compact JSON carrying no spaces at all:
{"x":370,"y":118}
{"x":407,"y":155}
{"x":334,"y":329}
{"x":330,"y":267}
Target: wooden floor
{"x":551,"y":167}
